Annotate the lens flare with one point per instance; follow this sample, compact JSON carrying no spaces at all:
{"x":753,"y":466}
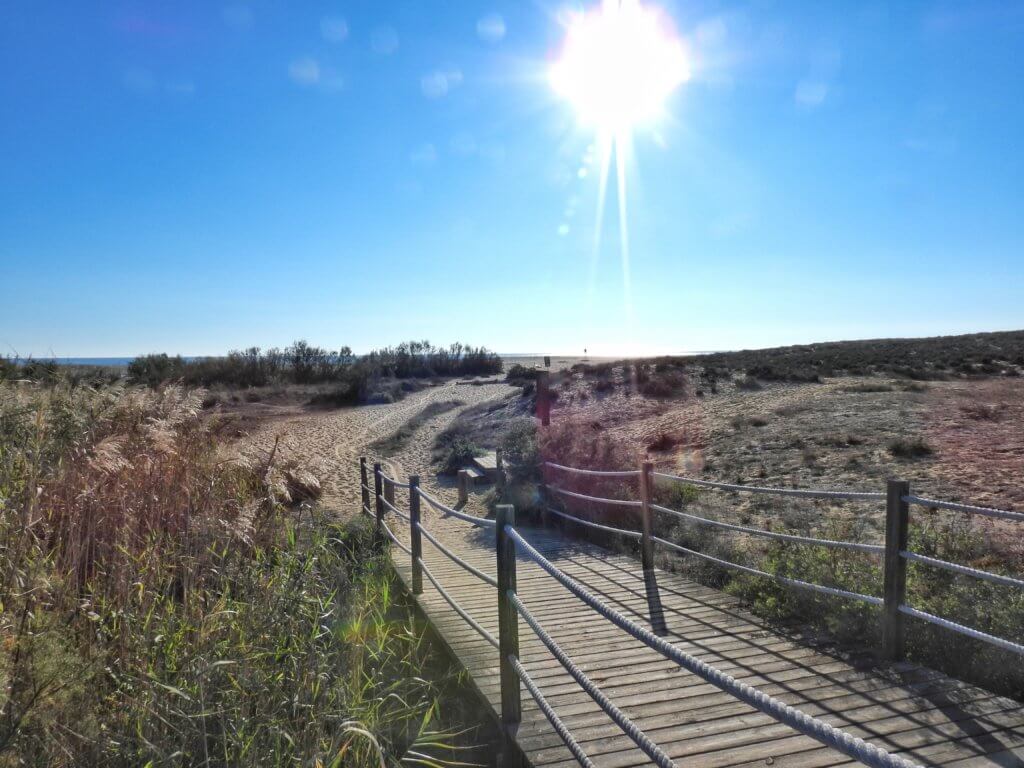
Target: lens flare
{"x":619,"y":64}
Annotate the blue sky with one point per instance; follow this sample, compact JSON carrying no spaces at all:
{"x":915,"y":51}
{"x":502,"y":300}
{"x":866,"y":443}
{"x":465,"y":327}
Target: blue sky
{"x":193,"y":177}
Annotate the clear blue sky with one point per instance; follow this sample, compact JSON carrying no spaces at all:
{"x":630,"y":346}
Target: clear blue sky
{"x":193,"y":177}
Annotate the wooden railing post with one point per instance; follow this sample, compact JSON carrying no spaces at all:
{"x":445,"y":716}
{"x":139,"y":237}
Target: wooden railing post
{"x":415,"y":540}
{"x":463,"y":488}
{"x":544,"y":398}
{"x":378,"y":495}
{"x":543,"y":497}
{"x":499,"y":479}
{"x":364,"y":484}
{"x":654,"y":607}
{"x":389,"y":493}
{"x":508,"y":631}
{"x":897,"y":520}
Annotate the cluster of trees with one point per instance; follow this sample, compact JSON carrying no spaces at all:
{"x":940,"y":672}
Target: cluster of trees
{"x":421,"y":359}
{"x":303,"y":363}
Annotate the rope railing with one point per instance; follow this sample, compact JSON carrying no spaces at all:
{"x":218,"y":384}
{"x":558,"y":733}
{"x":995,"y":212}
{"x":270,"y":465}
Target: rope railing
{"x":798,"y":492}
{"x":392,"y":482}
{"x":598,"y":526}
{"x":952,"y":626}
{"x":480,"y":522}
{"x":394,"y":509}
{"x":456,"y":607}
{"x":833,"y":591}
{"x":1002,"y":514}
{"x":394,"y":539}
{"x":597,"y":499}
{"x":995,"y":578}
{"x":817,"y":729}
{"x":455,"y":558}
{"x":617,"y":716}
{"x":593,"y":472}
{"x":551,"y":715}
{"x":790,"y":537}
{"x":510,"y":607}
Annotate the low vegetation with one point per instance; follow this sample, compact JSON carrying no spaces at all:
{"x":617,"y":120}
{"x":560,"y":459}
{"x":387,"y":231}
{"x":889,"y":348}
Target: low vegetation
{"x":990,"y":608}
{"x":303,"y":363}
{"x":165,"y":603}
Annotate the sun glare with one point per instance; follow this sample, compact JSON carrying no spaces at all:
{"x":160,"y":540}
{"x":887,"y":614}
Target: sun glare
{"x":619,"y":64}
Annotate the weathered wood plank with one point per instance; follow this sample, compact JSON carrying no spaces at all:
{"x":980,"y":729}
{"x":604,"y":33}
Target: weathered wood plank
{"x":902,"y":707}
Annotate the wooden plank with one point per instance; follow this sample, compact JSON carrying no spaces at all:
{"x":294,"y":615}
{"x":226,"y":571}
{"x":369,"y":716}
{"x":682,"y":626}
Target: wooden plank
{"x":900,"y":706}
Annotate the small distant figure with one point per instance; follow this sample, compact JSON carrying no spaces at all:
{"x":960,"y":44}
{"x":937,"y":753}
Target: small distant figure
{"x":547,"y":361}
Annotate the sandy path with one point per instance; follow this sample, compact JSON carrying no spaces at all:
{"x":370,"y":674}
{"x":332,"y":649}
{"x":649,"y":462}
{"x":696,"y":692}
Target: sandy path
{"x":331,"y":442}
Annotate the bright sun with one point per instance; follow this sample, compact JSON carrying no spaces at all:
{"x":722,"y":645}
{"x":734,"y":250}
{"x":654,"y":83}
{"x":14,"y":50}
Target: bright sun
{"x":618,"y":65}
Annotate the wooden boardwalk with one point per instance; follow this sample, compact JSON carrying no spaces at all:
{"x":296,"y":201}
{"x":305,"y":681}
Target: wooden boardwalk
{"x":904,"y":708}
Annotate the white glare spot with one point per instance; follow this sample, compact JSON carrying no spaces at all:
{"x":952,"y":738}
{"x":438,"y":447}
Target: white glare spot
{"x":582,"y":173}
{"x":334,"y":29}
{"x":563,"y":230}
{"x":304,"y":71}
{"x":439,"y":82}
{"x":491,"y":28}
{"x":384,"y":40}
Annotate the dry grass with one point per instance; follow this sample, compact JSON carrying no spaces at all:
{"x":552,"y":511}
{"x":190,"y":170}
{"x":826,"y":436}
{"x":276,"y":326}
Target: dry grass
{"x":165,"y":602}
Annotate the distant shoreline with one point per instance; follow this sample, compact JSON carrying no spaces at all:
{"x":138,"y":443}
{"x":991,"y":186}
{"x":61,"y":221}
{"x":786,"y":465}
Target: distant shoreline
{"x":122,"y":362}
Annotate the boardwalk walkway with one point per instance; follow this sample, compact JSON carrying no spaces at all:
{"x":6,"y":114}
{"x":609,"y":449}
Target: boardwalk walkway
{"x":904,"y":708}
{"x":719,"y":687}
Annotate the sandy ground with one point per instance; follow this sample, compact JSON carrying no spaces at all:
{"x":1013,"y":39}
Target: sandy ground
{"x":834,"y":435}
{"x":331,"y":442}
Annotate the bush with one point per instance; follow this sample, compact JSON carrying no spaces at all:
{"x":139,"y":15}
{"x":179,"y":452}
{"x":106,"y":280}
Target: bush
{"x":456,"y":453}
{"x":519,"y":450}
{"x":156,"y":369}
{"x":519,"y":374}
{"x":303,"y":363}
{"x":748,"y":383}
{"x":910,"y":448}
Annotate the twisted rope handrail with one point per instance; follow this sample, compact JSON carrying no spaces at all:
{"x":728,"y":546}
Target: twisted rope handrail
{"x":456,"y":559}
{"x":392,"y":482}
{"x":995,"y":578}
{"x":598,"y":499}
{"x":395,"y":509}
{"x":849,"y":745}
{"x":791,"y":537}
{"x":590,"y":524}
{"x":1003,"y":514}
{"x":833,"y":591}
{"x":617,"y":716}
{"x":594,"y":472}
{"x":479,"y":522}
{"x":454,"y":604}
{"x":395,"y":539}
{"x":806,"y":494}
{"x":1006,"y":645}
{"x":551,"y":715}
